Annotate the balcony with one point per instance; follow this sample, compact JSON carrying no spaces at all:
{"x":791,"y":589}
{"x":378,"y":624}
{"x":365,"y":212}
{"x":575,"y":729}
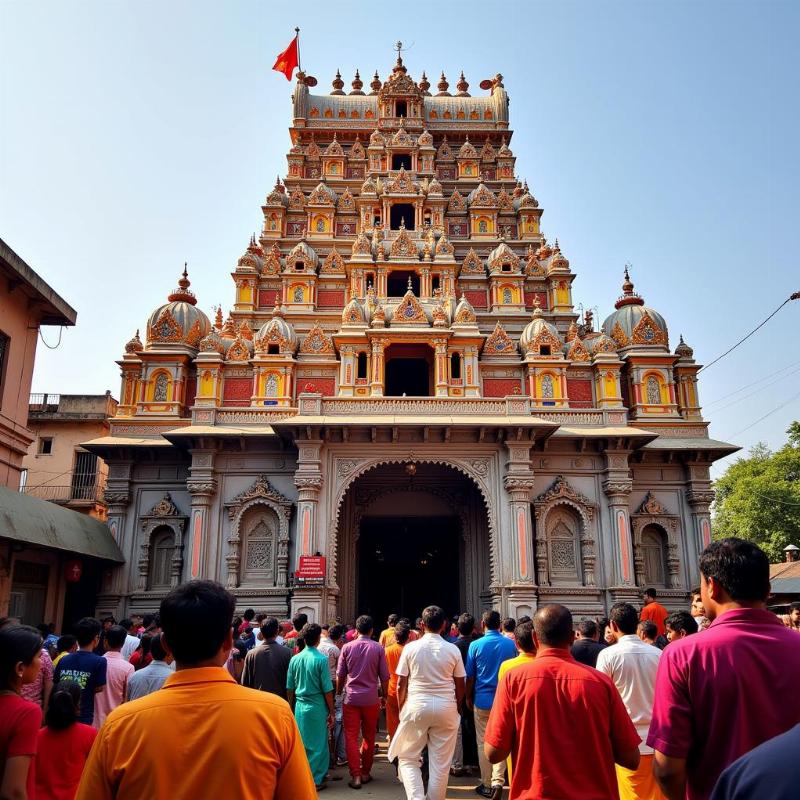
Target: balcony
{"x":66,"y":495}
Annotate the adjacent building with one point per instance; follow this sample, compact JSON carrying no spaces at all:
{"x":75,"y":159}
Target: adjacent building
{"x":402,"y":405}
{"x":51,"y":558}
{"x":57,"y":467}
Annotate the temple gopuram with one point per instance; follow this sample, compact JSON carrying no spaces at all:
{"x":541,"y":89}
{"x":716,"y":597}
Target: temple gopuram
{"x":402,"y":406}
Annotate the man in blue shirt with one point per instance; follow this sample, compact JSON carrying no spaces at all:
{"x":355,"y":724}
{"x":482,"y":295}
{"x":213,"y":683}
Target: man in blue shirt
{"x":484,"y":657}
{"x":770,"y":770}
{"x":85,"y":667}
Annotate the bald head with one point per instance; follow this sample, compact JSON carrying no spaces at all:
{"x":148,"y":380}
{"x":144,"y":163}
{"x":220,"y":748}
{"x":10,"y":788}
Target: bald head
{"x":553,"y":626}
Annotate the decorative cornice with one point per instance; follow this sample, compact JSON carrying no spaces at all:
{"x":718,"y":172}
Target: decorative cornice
{"x":615,"y":488}
{"x":201,"y":487}
{"x":699,"y":497}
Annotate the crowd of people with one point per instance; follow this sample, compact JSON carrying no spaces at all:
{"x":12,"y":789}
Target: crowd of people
{"x":194,"y":702}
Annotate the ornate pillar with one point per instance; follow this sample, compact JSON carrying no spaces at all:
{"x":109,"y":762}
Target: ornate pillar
{"x":117,"y":581}
{"x":425,"y":284}
{"x":471,"y":383}
{"x":308,"y":480}
{"x":617,"y":485}
{"x":347,"y":371}
{"x":202,"y":486}
{"x":440,"y":367}
{"x":699,"y":497}
{"x":516,"y":553}
{"x":376,"y":383}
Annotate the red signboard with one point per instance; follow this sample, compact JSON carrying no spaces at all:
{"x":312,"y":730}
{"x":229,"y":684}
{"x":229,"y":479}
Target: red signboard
{"x":311,"y":567}
{"x":73,"y":569}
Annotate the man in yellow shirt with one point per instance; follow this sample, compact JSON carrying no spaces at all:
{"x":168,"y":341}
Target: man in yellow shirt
{"x":386,"y":639}
{"x":201,"y":735}
{"x":527,"y":652}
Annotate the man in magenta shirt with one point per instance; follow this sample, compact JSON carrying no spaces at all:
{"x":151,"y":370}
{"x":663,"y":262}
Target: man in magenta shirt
{"x":362,"y":665}
{"x":723,"y":693}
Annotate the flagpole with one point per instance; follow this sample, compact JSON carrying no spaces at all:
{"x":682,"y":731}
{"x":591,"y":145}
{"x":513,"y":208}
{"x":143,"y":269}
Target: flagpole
{"x":297,"y":32}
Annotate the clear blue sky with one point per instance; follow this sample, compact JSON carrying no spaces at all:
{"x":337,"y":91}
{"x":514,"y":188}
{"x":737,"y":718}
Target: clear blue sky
{"x":139,"y":135}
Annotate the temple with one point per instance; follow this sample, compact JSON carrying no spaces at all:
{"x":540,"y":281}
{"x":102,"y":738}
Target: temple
{"x":403,"y":388}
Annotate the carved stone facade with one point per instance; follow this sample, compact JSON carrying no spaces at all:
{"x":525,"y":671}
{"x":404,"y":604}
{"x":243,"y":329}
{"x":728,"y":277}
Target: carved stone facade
{"x":403,"y":354}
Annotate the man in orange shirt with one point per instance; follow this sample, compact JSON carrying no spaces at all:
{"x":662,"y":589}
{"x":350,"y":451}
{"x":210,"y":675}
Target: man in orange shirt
{"x":393,"y":651}
{"x":201,"y":735}
{"x":386,"y":638}
{"x":654,"y":611}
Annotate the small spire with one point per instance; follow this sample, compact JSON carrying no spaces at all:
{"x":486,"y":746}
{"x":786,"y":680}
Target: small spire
{"x":424,"y":84}
{"x":462,"y":86}
{"x":357,"y":84}
{"x":443,"y":86}
{"x":338,"y":83}
{"x":375,"y":85}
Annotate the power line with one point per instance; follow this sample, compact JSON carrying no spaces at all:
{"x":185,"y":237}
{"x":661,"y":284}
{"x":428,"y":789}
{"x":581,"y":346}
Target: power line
{"x":756,"y":391}
{"x":773,"y":499}
{"x":768,"y":414}
{"x":794,"y":296}
{"x":753,"y":383}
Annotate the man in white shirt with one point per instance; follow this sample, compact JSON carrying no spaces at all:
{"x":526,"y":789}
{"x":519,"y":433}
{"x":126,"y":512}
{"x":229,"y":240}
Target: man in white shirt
{"x":632,"y":664}
{"x":131,"y":641}
{"x":430,"y":690}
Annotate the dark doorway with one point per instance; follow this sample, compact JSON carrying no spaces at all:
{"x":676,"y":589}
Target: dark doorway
{"x":409,"y":371}
{"x":80,"y":599}
{"x":397,"y":283}
{"x":401,"y":212}
{"x":401,"y":108}
{"x":407,"y":563}
{"x":401,"y":160}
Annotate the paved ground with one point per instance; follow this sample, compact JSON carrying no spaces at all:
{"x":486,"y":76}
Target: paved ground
{"x":385,"y":785}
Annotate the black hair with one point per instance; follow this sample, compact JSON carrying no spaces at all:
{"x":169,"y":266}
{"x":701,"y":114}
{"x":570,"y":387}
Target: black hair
{"x":364,"y":624}
{"x":157,"y":648}
{"x":553,"y":625}
{"x":44,"y":629}
{"x":401,"y":632}
{"x":65,"y":643}
{"x":794,"y":607}
{"x":146,"y":643}
{"x":239,"y":650}
{"x":392,"y":620}
{"x":524,"y":633}
{"x":17,"y":643}
{"x":466,"y":624}
{"x":651,"y":593}
{"x":116,"y":636}
{"x":681,"y":621}
{"x":311,"y":634}
{"x":126,"y":623}
{"x":587,"y":628}
{"x":739,"y":566}
{"x":260,"y":617}
{"x":649,"y":628}
{"x":336,"y":632}
{"x":62,"y":708}
{"x":298,"y":620}
{"x":86,"y":630}
{"x":509,"y":624}
{"x":147,"y":620}
{"x":270,"y":627}
{"x":249,"y":614}
{"x":696,"y":592}
{"x":433,"y":617}
{"x":491,"y":620}
{"x":109,"y":618}
{"x":196,"y":617}
{"x":524,"y":618}
{"x":625,"y":616}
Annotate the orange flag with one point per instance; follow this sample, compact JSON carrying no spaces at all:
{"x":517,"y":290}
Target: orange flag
{"x":287,"y":60}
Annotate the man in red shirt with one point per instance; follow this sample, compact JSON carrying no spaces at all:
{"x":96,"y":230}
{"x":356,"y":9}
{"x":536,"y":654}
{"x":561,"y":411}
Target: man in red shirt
{"x":721,"y":694}
{"x":539,"y":709}
{"x":654,"y":611}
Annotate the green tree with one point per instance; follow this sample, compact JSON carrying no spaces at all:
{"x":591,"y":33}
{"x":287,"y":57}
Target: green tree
{"x":758,"y":497}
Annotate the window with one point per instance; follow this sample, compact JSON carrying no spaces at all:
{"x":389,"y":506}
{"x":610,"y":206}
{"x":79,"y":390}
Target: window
{"x":653,"y":391}
{"x":436,"y":282}
{"x":272,"y":350}
{"x":455,"y":366}
{"x":654,"y":556}
{"x":548,"y":391}
{"x":544,"y":350}
{"x":401,"y":160}
{"x":401,"y":214}
{"x":361,"y":367}
{"x":45,"y":445}
{"x":401,"y":108}
{"x":271,"y":385}
{"x":84,"y":476}
{"x":506,"y":268}
{"x":297,"y":294}
{"x":369,"y":279}
{"x":298,"y":265}
{"x":161,"y":387}
{"x":508,"y":297}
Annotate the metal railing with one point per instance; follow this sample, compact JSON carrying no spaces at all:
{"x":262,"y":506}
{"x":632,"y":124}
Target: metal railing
{"x":65,"y":494}
{"x":44,"y":402}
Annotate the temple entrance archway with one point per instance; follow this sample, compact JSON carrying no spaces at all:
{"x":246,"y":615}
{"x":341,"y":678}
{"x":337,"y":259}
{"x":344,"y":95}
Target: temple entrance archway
{"x":410,"y":535}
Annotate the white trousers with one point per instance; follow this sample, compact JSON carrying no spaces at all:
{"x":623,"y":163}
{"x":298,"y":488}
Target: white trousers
{"x":430,"y":722}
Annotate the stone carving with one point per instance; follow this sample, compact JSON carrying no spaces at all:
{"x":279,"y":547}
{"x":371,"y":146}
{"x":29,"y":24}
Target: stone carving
{"x":164,"y":508}
{"x":651,"y":506}
{"x":499,"y":342}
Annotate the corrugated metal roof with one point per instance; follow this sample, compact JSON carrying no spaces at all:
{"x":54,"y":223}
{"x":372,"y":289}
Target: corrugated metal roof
{"x":38,"y":522}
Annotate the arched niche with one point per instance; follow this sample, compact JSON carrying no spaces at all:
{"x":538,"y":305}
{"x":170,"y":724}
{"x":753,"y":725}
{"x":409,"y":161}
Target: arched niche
{"x":655,"y":535}
{"x":564,"y":519}
{"x":258,"y":544}
{"x":161,"y":549}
